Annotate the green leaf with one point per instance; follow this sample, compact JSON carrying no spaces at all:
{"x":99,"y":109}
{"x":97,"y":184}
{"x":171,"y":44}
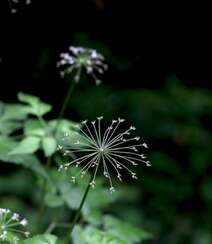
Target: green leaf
{"x":93,"y":216}
{"x":95,"y":236}
{"x":125,"y":231}
{"x":41,"y":239}
{"x":7,"y":127}
{"x":38,"y":107}
{"x":33,"y":127}
{"x":49,"y":145}
{"x":32,"y":100}
{"x":15,"y":111}
{"x":52,"y":200}
{"x":64,"y":124}
{"x":26,"y":146}
{"x":27,"y":160}
{"x":77,"y":235}
{"x":11,"y":116}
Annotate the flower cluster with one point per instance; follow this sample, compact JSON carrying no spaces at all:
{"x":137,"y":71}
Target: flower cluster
{"x":14,"y":4}
{"x":11,"y":226}
{"x":80,"y":57}
{"x":110,"y":150}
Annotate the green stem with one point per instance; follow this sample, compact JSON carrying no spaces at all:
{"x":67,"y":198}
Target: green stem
{"x":77,"y":215}
{"x":55,"y":225}
{"x":42,"y":121}
{"x":49,"y":159}
{"x":42,"y":206}
{"x":65,"y":104}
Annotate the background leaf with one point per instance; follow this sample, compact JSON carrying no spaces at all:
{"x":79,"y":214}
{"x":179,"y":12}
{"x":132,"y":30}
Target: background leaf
{"x":11,"y":117}
{"x":95,"y":236}
{"x":41,"y":239}
{"x":28,"y":145}
{"x":26,"y":160}
{"x":37,"y":107}
{"x":33,"y":127}
{"x":125,"y":230}
{"x":49,"y":145}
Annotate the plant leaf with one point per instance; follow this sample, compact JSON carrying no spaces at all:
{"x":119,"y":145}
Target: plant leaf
{"x":95,"y":236}
{"x":7,"y":127}
{"x":15,"y":111}
{"x":33,"y":127}
{"x":52,"y":200}
{"x":125,"y":231}
{"x":26,"y":98}
{"x":41,"y":239}
{"x":28,"y":145}
{"x":11,"y":116}
{"x":38,"y":107}
{"x":49,"y":145}
{"x":27,"y":160}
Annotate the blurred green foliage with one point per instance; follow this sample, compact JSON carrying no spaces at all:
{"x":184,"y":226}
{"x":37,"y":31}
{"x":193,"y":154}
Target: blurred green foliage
{"x":172,"y":199}
{"x":175,"y":120}
{"x":30,"y":142}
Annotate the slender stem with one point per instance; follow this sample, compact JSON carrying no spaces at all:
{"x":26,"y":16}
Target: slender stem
{"x":49,"y":159}
{"x":76,"y":217}
{"x":42,"y":121}
{"x":55,"y":225}
{"x":65,"y":104}
{"x":42,"y":206}
{"x":51,"y":227}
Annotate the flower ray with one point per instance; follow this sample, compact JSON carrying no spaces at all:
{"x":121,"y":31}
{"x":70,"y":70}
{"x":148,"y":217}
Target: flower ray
{"x":106,"y":148}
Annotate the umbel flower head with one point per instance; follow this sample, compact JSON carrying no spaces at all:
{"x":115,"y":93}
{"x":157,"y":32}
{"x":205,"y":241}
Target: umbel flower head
{"x":15,"y":3}
{"x":78,"y":58}
{"x":11,"y":226}
{"x":108,"y":149}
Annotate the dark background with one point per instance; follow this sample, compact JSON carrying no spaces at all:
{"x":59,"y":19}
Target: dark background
{"x":159,"y":77}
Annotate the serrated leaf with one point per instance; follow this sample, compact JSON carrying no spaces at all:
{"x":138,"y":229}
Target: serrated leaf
{"x":26,"y":146}
{"x":64,"y":125}
{"x":77,"y":235}
{"x":41,"y":239}
{"x":52,"y":200}
{"x":11,"y":116}
{"x":125,"y":231}
{"x":95,"y":236}
{"x":41,"y":108}
{"x":49,"y":145}
{"x":33,"y":127}
{"x":27,"y":160}
{"x":7,"y":127}
{"x":15,"y":112}
{"x":38,"y":107}
{"x":26,"y":98}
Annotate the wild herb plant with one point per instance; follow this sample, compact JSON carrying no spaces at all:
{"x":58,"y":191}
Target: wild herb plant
{"x":11,"y":226}
{"x":64,"y":211}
